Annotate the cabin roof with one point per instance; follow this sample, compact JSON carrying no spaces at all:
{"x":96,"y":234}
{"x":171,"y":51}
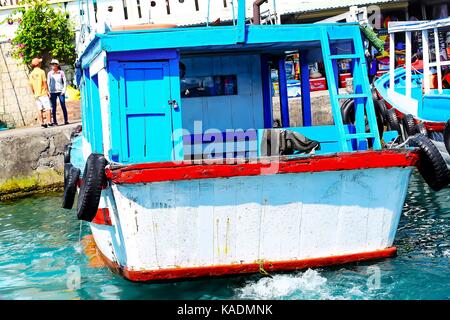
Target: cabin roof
{"x":261,"y":38}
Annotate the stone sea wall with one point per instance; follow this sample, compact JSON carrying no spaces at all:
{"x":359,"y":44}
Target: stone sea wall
{"x":32,"y":161}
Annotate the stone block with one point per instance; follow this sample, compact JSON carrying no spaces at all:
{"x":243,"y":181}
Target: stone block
{"x":5,"y":77}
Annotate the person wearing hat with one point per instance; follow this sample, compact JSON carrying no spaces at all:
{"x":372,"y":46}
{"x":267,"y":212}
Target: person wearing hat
{"x":39,"y":87}
{"x":57,"y":83}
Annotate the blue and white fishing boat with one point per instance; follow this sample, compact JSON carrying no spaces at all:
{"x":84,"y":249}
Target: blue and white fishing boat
{"x":181,"y":175}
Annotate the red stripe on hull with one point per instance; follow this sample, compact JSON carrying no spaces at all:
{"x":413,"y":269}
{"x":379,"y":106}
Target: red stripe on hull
{"x":102,"y":217}
{"x":235,"y":269}
{"x":172,"y":171}
{"x":434,"y":126}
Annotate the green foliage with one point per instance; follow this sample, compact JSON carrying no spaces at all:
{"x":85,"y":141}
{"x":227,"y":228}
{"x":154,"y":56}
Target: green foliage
{"x":43,"y":31}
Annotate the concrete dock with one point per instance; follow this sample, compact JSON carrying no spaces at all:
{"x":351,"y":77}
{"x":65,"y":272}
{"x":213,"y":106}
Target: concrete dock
{"x":31,"y":160}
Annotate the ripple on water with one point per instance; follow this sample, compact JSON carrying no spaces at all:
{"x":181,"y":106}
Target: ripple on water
{"x":40,"y":257}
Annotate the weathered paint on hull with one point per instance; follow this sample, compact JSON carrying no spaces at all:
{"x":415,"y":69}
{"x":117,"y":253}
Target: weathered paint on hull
{"x":207,"y":227}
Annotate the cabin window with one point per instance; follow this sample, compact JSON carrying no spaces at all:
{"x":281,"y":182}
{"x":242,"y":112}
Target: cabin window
{"x":209,"y":86}
{"x":290,"y":65}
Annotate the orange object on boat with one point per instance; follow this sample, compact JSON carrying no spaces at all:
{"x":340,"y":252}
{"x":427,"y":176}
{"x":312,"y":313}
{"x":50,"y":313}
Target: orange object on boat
{"x":418,"y":64}
{"x":91,"y":251}
{"x":433,"y":81}
{"x":446,"y":81}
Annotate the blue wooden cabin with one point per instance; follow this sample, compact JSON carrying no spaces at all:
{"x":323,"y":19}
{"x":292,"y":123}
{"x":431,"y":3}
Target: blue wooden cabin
{"x":141,"y":101}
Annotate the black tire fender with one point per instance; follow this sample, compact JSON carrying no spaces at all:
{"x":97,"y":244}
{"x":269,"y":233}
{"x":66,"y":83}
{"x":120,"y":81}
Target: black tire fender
{"x":436,"y":136}
{"x":432,"y":165}
{"x":374,"y":94}
{"x":420,"y":128}
{"x":94,"y":178}
{"x":347,"y":112}
{"x":382,"y":109}
{"x":392,"y":121}
{"x":348,"y":116}
{"x":380,"y":117}
{"x":447,"y":136}
{"x":409,"y":124}
{"x":67,"y":149}
{"x":71,"y":178}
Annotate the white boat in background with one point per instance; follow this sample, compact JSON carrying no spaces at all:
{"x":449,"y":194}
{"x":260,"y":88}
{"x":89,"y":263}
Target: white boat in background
{"x":414,"y":94}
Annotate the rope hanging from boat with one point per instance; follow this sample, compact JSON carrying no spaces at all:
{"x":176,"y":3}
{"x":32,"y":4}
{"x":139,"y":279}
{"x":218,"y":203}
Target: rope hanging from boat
{"x":262,"y":270}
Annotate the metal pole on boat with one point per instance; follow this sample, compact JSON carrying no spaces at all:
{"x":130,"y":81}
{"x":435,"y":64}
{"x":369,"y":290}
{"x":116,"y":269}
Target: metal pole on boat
{"x":232,"y":10}
{"x":438,"y":59}
{"x":207,"y":15}
{"x":391,"y":61}
{"x":241,"y":22}
{"x":305,"y":90}
{"x":426,"y":61}
{"x":282,"y":89}
{"x":88,"y":17}
{"x":408,"y":63}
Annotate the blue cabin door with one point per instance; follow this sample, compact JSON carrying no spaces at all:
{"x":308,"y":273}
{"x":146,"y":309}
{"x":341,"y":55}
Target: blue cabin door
{"x":145,"y":112}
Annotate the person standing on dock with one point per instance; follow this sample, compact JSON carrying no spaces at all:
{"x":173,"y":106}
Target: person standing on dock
{"x":39,"y":87}
{"x":57,"y":83}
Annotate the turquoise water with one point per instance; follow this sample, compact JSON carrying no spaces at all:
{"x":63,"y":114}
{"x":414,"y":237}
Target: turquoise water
{"x":41,"y":258}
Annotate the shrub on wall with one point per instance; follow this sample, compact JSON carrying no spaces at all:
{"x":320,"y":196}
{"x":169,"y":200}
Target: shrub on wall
{"x":43,"y":31}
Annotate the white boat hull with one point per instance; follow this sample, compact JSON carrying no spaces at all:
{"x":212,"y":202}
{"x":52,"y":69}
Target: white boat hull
{"x":238,"y":221}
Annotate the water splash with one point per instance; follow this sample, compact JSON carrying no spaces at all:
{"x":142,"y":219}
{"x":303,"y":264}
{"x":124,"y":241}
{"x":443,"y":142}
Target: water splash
{"x":306,"y":285}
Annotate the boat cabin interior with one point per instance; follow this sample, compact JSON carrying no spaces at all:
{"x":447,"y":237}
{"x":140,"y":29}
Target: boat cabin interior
{"x":172,"y":94}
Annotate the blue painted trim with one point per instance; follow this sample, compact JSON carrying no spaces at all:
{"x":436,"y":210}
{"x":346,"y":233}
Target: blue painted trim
{"x":240,"y":28}
{"x":97,"y":127}
{"x":162,"y":54}
{"x":175,"y":94}
{"x":306,"y":91}
{"x":91,"y":52}
{"x":336,"y":73}
{"x":284,"y":99}
{"x":121,"y":108}
{"x":114,"y":110}
{"x":333,"y":90}
{"x":87,"y":109}
{"x":249,"y":135}
{"x":202,"y":38}
{"x":266,"y":91}
{"x":363,"y":86}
